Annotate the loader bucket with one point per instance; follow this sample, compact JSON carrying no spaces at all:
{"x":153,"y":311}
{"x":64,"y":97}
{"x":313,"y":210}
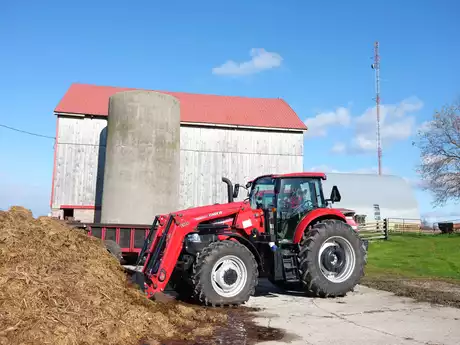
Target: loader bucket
{"x":137,"y":278}
{"x":162,"y":297}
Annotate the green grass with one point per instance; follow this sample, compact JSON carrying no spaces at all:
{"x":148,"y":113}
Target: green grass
{"x":415,"y":256}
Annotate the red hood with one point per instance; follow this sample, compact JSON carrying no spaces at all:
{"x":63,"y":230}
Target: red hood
{"x":195,"y":211}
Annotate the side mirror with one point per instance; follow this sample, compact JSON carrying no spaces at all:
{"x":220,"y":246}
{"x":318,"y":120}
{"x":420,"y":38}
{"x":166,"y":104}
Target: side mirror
{"x":236,"y":190}
{"x":248,"y":185}
{"x":335,"y":195}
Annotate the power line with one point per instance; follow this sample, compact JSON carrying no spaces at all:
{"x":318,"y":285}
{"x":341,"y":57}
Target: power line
{"x":47,"y":137}
{"x":26,"y":132}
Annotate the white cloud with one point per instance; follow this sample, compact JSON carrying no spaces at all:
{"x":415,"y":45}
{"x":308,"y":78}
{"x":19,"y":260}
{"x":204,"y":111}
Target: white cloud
{"x":424,"y":126}
{"x":318,"y":125}
{"x":261,"y":60}
{"x":396,"y":124}
{"x":339,"y":148}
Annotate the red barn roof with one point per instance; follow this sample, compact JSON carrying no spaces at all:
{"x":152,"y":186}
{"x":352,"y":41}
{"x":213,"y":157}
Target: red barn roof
{"x":196,"y":108}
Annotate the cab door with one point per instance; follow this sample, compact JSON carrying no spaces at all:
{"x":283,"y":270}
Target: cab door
{"x":296,"y":197}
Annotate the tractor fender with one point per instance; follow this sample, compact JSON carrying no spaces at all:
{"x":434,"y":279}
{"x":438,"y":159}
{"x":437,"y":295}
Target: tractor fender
{"x":248,"y":244}
{"x":315,"y":216}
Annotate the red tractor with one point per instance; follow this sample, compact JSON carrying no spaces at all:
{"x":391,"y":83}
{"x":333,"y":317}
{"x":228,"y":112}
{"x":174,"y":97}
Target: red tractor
{"x":285,"y":230}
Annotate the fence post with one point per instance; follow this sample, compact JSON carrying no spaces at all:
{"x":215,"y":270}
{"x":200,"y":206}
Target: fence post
{"x":385,"y":229}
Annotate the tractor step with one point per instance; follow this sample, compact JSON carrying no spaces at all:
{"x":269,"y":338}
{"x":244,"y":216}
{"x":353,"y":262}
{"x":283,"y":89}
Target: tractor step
{"x":290,"y":268}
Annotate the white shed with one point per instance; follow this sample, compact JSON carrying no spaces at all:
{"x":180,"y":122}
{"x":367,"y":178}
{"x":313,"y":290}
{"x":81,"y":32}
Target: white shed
{"x":375,"y":197}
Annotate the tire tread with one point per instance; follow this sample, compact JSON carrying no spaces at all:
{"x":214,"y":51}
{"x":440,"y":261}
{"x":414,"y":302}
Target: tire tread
{"x":311,"y":282}
{"x":203,"y":258}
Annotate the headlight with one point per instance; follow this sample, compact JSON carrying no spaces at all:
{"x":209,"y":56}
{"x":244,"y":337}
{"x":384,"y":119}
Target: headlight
{"x":194,"y":238}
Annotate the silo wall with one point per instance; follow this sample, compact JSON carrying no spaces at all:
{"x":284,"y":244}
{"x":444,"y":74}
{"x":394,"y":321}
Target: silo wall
{"x":142,"y":166}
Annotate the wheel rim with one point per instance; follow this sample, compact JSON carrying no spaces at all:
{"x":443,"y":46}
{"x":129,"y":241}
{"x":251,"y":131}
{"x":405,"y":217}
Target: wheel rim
{"x":337,"y":259}
{"x":229,"y":276}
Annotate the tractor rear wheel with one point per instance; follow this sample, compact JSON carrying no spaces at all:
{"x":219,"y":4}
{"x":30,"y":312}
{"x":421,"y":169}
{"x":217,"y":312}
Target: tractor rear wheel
{"x":224,"y":273}
{"x":332,"y":258}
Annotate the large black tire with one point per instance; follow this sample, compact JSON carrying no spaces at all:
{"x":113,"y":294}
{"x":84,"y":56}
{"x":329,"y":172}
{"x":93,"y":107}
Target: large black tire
{"x":114,"y":249}
{"x":205,"y":292}
{"x":313,"y":279}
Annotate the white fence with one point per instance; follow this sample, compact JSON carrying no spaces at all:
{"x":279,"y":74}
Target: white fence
{"x":373,"y":231}
{"x":381,"y":230}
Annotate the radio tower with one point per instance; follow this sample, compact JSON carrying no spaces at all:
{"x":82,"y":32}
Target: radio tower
{"x":376,"y":67}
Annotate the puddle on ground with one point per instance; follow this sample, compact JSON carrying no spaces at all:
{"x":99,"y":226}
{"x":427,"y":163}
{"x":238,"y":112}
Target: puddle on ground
{"x":240,"y":330}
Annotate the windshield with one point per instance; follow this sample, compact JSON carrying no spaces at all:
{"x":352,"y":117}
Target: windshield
{"x":297,"y":197}
{"x":306,"y":191}
{"x":262,"y":193}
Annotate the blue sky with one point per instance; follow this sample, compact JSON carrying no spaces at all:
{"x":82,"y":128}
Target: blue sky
{"x":317,"y":56}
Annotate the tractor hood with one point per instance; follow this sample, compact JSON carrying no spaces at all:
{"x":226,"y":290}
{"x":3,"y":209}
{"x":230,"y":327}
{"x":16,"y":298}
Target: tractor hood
{"x":212,"y":211}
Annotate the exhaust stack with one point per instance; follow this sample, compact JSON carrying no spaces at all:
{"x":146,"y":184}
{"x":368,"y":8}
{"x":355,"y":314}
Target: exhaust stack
{"x":229,"y":188}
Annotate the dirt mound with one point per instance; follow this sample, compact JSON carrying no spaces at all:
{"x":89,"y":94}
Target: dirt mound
{"x":434,"y":291}
{"x":60,"y":286}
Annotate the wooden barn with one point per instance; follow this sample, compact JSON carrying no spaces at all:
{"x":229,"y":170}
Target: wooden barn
{"x":235,"y":137}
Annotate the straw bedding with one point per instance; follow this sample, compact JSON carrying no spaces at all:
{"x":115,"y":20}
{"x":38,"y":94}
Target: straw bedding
{"x":59,"y":286}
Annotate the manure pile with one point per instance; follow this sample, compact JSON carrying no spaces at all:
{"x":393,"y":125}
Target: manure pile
{"x":59,"y":286}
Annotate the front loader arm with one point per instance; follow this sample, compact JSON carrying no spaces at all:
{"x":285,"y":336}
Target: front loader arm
{"x":210,"y":223}
{"x":165,"y":252}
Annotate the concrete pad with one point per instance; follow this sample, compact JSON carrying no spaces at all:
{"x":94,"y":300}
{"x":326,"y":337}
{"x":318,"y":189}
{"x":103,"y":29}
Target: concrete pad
{"x":365,"y":316}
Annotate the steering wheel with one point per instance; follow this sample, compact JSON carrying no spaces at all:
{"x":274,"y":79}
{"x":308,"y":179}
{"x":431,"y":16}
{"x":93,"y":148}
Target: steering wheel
{"x":305,"y":204}
{"x":285,"y":204}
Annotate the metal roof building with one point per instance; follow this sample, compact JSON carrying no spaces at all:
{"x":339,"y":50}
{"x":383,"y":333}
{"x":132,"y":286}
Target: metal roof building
{"x":375,"y":197}
{"x":235,"y":137}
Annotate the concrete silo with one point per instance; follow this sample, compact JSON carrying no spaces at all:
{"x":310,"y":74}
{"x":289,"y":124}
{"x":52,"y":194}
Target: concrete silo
{"x":142,"y":165}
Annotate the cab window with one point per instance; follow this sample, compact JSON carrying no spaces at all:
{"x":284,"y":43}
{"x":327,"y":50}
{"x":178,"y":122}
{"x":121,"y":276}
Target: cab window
{"x":262,"y":193}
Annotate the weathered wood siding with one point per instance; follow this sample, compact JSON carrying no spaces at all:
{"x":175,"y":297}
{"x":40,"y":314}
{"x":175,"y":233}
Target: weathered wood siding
{"x":207,"y":155}
{"x":78,"y":157}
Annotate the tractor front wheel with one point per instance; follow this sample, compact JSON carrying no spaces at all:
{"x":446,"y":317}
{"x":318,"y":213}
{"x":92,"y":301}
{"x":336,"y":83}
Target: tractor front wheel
{"x":224,"y":273}
{"x":332,"y":258}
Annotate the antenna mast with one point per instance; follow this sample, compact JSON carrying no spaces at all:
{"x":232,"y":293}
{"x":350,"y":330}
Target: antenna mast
{"x":376,"y":67}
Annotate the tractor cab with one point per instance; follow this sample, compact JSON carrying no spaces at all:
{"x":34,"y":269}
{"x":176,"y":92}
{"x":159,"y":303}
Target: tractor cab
{"x":289,"y":198}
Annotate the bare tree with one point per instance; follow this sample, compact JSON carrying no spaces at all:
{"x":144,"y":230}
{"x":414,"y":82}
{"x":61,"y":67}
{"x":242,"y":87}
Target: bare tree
{"x":439,"y":143}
